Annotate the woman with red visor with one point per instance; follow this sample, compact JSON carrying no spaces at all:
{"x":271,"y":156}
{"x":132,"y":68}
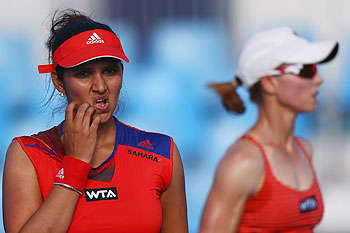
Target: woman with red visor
{"x":91,"y":173}
{"x":265,"y":182}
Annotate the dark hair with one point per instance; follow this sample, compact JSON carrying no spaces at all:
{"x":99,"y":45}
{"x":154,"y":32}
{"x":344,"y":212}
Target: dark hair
{"x":230,"y":98}
{"x":64,"y":25}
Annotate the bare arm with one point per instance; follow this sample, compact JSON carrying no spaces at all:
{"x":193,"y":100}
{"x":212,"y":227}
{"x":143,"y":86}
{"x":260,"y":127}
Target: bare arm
{"x":173,"y":200}
{"x":23,"y":206}
{"x":24,"y":209}
{"x":238,"y":176}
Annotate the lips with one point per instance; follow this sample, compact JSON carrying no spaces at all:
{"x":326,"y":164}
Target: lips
{"x":101,"y":103}
{"x":314,"y":96}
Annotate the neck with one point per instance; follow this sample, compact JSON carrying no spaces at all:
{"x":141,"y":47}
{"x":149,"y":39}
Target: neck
{"x":106,"y":132}
{"x":275,"y":124}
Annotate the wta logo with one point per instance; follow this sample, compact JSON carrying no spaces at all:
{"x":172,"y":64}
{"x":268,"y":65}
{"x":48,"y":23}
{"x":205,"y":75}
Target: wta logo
{"x":101,"y":194}
{"x":308,"y":204}
{"x":94,"y":38}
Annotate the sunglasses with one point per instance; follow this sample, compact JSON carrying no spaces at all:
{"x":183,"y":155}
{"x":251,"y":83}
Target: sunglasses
{"x":304,"y":71}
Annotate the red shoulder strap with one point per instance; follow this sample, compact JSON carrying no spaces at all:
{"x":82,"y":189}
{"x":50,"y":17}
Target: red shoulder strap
{"x":308,"y":157}
{"x":261,"y":148}
{"x":301,"y":146}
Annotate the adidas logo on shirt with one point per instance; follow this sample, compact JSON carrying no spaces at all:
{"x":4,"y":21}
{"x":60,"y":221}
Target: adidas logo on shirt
{"x":60,"y":174}
{"x":94,"y":38}
{"x":146,"y":144}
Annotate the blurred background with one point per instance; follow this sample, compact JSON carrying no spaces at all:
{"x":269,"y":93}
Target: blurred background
{"x":176,"y":47}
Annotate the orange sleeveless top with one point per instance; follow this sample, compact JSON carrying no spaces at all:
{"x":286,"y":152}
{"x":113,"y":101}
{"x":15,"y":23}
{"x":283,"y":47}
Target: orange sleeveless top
{"x":279,"y":208}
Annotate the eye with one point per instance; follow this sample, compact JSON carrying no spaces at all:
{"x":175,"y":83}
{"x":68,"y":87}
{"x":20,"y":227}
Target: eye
{"x":111,"y":70}
{"x":81,"y":74}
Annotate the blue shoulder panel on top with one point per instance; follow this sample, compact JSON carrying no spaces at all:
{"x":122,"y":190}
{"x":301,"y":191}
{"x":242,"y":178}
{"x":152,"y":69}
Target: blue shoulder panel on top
{"x":152,"y":142}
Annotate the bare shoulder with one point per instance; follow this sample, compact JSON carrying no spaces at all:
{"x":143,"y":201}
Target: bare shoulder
{"x":19,"y":172}
{"x":17,"y":163}
{"x":242,"y":155}
{"x":178,"y":171}
{"x":16,"y":152}
{"x":306,"y":145}
{"x":243,"y":165}
{"x":238,"y":177}
{"x":14,"y":145}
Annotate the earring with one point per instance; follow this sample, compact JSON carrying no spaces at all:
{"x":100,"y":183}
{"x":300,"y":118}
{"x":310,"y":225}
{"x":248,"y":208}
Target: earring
{"x":61,"y":94}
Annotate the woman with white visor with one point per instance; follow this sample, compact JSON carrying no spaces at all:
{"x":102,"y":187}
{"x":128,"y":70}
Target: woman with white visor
{"x":266,"y":182}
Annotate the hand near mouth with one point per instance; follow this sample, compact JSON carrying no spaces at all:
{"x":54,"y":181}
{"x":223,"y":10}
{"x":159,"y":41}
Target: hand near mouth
{"x":80,"y":131}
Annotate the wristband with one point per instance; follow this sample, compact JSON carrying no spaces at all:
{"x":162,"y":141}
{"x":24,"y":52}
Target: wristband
{"x":73,"y":174}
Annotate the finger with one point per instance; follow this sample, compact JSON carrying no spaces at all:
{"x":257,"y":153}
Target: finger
{"x":70,"y":112}
{"x":95,"y":123}
{"x":81,"y":113}
{"x":88,"y":117}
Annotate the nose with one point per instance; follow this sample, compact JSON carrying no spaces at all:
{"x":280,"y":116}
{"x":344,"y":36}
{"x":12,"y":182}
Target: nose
{"x":318,"y":79}
{"x":99,"y":84}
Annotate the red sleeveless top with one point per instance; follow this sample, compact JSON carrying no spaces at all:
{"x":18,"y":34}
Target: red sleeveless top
{"x":130,"y":201}
{"x":279,"y":208}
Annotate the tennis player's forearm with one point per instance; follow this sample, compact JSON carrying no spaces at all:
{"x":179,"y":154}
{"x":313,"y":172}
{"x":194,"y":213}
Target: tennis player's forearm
{"x":56,"y":212}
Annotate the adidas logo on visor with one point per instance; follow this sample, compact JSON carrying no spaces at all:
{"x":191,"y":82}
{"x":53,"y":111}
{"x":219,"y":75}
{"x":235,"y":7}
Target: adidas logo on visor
{"x":94,"y":38}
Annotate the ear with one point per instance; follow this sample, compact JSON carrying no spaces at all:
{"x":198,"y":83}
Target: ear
{"x":268,"y":84}
{"x":57,"y":82}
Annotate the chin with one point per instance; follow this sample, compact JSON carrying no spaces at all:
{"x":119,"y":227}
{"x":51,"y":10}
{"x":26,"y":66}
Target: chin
{"x":309,"y":109}
{"x":105,"y":117}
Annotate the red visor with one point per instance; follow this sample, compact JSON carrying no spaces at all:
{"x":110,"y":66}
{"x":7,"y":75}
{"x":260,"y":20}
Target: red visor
{"x":84,"y":47}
